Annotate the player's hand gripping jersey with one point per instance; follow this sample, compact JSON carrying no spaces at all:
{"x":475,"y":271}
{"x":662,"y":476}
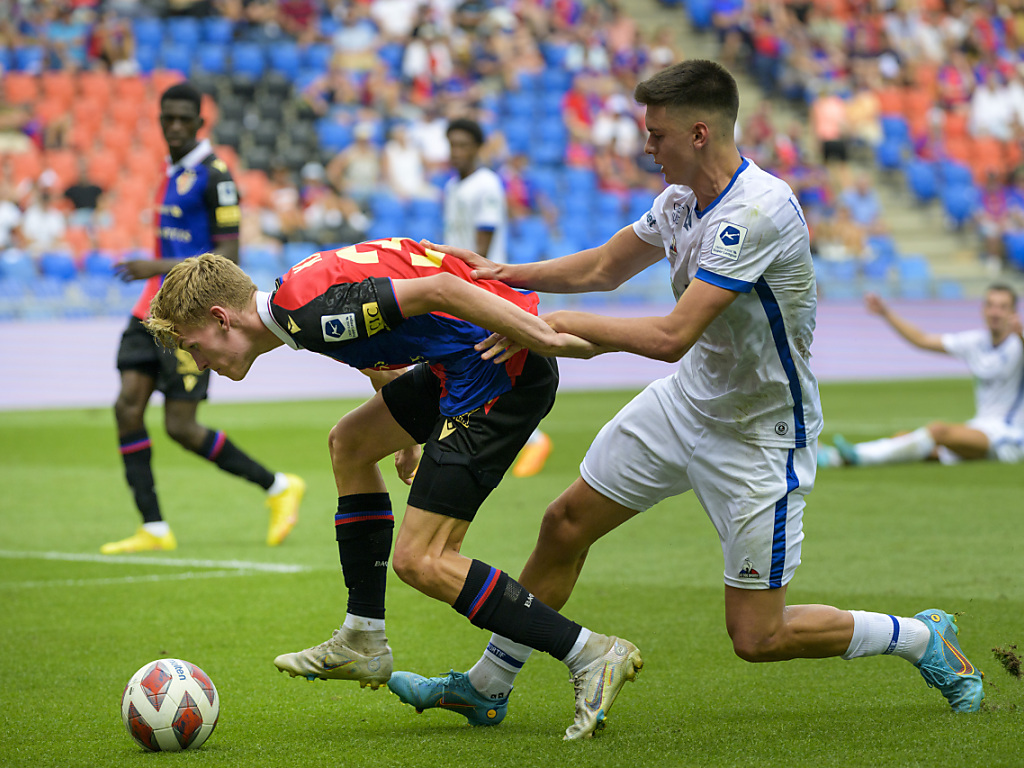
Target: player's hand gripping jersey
{"x":341,"y":304}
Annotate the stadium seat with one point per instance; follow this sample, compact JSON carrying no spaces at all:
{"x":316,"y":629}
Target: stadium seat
{"x":212,"y":58}
{"x":700,"y":13}
{"x":895,"y":128}
{"x":148,"y":31}
{"x":260,"y":259}
{"x":29,"y":58}
{"x":332,"y":135}
{"x":16,"y":264}
{"x":177,"y":56}
{"x":58,"y":265}
{"x":922,"y":181}
{"x":296,"y":251}
{"x":915,"y":276}
{"x":20,"y":88}
{"x":247,"y":59}
{"x":317,"y":57}
{"x":954,"y":173}
{"x":98,"y":264}
{"x":889,"y":154}
{"x":1014,"y":244}
{"x":285,"y":58}
{"x":184,"y":30}
{"x":217,"y":29}
{"x":960,"y":201}
{"x":147,"y":57}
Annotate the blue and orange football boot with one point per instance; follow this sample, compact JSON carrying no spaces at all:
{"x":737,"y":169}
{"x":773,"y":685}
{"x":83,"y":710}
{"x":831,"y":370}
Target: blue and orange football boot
{"x":944,"y":665}
{"x":453,"y":692}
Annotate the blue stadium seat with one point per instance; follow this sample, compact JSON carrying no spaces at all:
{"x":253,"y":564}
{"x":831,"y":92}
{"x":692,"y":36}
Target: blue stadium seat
{"x":295,"y":252}
{"x":949,"y":290}
{"x":29,"y":58}
{"x":98,"y":264}
{"x":257,"y":258}
{"x":6,"y":59}
{"x":895,"y":128}
{"x":16,"y":264}
{"x":531,"y":234}
{"x":183,"y":30}
{"x":953,"y":172}
{"x":147,"y":57}
{"x":554,"y":53}
{"x":555,"y":80}
{"x":579,"y":181}
{"x":1014,"y":244}
{"x":960,"y":201}
{"x":218,"y":29}
{"x":519,"y":105}
{"x":889,"y":154}
{"x":148,"y":32}
{"x":247,"y":59}
{"x":915,"y":275}
{"x":317,"y":56}
{"x":285,"y":58}
{"x":58,"y":265}
{"x":922,"y":180}
{"x":98,"y":288}
{"x":544,"y":182}
{"x":518,"y":134}
{"x":332,"y":135}
{"x":392,"y":54}
{"x":177,"y":56}
{"x":387,"y":205}
{"x":425,"y":209}
{"x":212,"y":58}
{"x":700,"y":13}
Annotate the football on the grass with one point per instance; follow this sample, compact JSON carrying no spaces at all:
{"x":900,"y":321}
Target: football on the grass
{"x":170,"y":705}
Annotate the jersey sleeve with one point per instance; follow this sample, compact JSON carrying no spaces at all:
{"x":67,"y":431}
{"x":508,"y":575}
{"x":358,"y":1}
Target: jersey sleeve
{"x":959,"y":345}
{"x":737,"y":250}
{"x":341,"y":314}
{"x":222,"y":201}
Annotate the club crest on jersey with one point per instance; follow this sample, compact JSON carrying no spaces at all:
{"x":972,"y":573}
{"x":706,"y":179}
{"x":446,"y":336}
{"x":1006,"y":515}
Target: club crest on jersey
{"x":185,"y":181}
{"x":748,"y":571}
{"x":729,"y":240}
{"x":339,"y":327}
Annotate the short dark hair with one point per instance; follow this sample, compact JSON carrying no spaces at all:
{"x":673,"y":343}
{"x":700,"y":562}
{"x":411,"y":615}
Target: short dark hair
{"x":1005,"y":288}
{"x":693,"y":84}
{"x":183,"y":92}
{"x":472,"y":127}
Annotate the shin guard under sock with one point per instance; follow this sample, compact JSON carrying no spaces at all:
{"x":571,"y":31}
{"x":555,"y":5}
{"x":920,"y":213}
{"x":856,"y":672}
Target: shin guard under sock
{"x":364,"y":526}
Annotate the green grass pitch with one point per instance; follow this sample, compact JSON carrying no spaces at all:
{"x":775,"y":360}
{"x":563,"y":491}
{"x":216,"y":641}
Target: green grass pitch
{"x":891,"y":539}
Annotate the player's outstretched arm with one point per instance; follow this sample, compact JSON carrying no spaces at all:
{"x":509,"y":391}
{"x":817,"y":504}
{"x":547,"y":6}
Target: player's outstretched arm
{"x":665,"y":338}
{"x":603,"y":268}
{"x":445,"y":292}
{"x":928,"y":341}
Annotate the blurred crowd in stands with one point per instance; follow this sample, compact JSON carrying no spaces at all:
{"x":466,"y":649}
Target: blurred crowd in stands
{"x":331,"y":115}
{"x":930,"y":90}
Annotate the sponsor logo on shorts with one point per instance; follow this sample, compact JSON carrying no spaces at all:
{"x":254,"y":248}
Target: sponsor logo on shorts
{"x":339,"y":327}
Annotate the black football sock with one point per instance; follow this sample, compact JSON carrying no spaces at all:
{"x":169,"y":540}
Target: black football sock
{"x":492,"y":600}
{"x":364,"y":526}
{"x":137,"y":454}
{"x":217,"y":448}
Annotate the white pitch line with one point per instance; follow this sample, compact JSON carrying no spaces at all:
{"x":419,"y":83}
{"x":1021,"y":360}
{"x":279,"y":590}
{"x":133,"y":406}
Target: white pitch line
{"x":239,"y":565}
{"x":153,"y":577}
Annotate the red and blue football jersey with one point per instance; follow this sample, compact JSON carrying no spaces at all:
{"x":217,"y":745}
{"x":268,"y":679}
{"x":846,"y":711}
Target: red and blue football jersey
{"x":342,"y":304}
{"x":196,"y":209}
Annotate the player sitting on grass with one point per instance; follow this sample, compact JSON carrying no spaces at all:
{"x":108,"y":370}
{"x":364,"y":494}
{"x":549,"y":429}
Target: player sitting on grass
{"x":995,"y":357}
{"x":384,"y":305}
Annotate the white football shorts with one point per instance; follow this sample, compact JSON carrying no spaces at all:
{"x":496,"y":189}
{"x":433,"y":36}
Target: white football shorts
{"x":655,"y":448}
{"x":1005,"y":443}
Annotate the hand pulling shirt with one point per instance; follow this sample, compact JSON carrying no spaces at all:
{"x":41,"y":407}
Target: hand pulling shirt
{"x":342,"y":304}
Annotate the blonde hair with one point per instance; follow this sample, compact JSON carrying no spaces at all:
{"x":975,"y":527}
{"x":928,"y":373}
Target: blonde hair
{"x":190,"y":289}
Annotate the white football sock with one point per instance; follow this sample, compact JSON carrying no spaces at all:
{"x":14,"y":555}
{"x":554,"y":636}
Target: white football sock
{"x":495,"y":673}
{"x":363,"y":624}
{"x":876,"y":634}
{"x":158,"y":529}
{"x":280,"y":484}
{"x":913,"y":446}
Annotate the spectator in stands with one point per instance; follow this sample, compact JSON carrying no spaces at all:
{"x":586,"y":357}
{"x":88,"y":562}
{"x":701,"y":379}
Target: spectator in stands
{"x":10,"y":217}
{"x":43,"y":225}
{"x":403,"y":168}
{"x":861,"y":200}
{"x":298,"y":19}
{"x":863,"y":117}
{"x":840,"y":238}
{"x":66,"y":36}
{"x":84,"y":195}
{"x":333,"y":89}
{"x":356,"y":171}
{"x":616,"y":127}
{"x":282,"y":219}
{"x":992,"y":111}
{"x":828,"y":122}
{"x":992,"y":220}
{"x":328,"y":218}
{"x":112,"y":42}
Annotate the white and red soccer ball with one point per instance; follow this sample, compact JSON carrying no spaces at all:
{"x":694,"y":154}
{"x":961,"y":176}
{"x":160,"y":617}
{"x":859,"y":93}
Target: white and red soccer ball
{"x":170,"y":705}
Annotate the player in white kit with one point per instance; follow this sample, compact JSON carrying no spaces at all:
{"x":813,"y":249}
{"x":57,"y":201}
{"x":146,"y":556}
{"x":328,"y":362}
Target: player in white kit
{"x":476,"y":218}
{"x":995,"y":357}
{"x":737,"y":423}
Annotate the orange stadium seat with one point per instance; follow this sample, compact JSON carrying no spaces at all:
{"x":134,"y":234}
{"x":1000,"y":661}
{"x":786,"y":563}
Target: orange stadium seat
{"x":50,"y":109}
{"x":88,"y":112}
{"x":79,"y":241}
{"x":104,"y":168}
{"x":162,"y":79}
{"x":1014,"y":154}
{"x":26,"y":165}
{"x":959,"y":148}
{"x":116,"y":239}
{"x":82,"y":136}
{"x":63,"y":162}
{"x":96,"y":85}
{"x":118,"y":139}
{"x":254,"y":188}
{"x":987,"y":156}
{"x":891,"y":100}
{"x":125,"y":113}
{"x":917,"y":101}
{"x":955,"y":125}
{"x":20,"y":88}
{"x":130,"y":89}
{"x":58,"y":84}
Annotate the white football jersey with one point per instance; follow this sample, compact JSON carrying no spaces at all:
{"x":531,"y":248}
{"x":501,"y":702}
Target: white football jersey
{"x":998,"y":374}
{"x":476,"y":202}
{"x":750,"y":370}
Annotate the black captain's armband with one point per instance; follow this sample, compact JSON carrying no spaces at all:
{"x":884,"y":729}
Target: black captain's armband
{"x":342,"y":314}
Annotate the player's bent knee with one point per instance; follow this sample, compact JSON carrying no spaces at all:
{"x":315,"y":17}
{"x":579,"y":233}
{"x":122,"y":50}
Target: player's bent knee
{"x":129,"y":413}
{"x":940,"y":431}
{"x":347,"y":447}
{"x":755,"y":647}
{"x":417,"y":569}
{"x":560,"y":530}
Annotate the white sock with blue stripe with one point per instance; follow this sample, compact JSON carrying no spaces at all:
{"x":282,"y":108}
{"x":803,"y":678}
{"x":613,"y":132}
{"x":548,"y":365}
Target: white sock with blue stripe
{"x":877,"y":634}
{"x":495,"y":673}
